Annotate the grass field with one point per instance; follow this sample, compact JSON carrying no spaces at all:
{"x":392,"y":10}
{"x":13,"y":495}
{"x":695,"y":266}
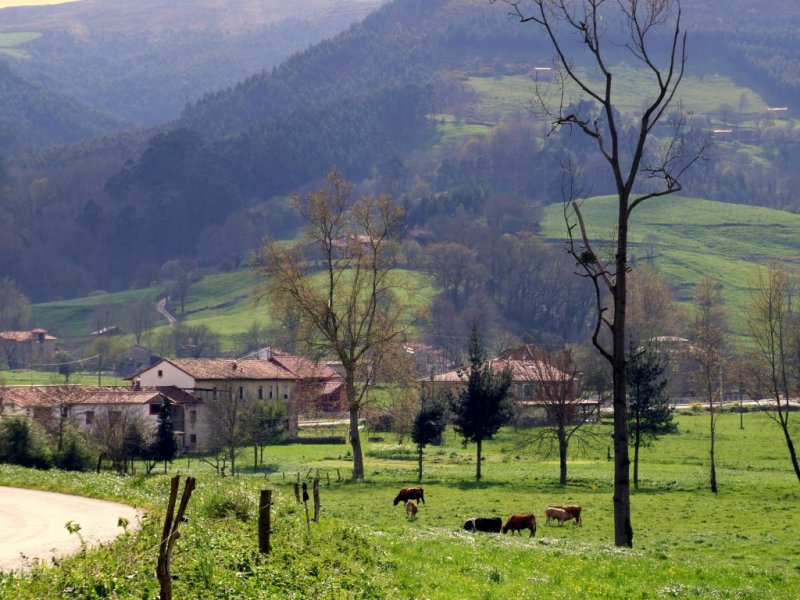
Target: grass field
{"x":688,"y":543}
{"x":696,"y":237}
{"x":228,"y":303}
{"x":700,"y":95}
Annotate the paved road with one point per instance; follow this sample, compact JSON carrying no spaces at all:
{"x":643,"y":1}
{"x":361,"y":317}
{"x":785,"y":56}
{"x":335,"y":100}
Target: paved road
{"x":32,"y":524}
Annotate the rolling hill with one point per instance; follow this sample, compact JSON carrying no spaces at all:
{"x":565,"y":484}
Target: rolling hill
{"x":694,"y":237}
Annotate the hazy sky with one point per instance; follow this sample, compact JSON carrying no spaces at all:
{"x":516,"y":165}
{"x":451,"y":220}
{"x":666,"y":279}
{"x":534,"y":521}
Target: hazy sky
{"x":7,"y":3}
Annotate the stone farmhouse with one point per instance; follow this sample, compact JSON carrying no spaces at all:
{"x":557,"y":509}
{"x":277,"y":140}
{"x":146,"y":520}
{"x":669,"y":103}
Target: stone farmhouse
{"x":539,"y":387}
{"x":24,"y":349}
{"x":93,"y":407}
{"x":193,"y":387}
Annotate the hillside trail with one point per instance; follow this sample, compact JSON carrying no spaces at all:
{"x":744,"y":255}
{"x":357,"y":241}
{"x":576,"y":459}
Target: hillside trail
{"x":161,"y":307}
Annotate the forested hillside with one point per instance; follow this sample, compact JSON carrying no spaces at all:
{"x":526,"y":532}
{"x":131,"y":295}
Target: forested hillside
{"x":426,"y":99}
{"x":141,"y":61}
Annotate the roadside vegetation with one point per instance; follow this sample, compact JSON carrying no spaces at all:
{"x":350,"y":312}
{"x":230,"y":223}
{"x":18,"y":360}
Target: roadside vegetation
{"x":689,"y":542}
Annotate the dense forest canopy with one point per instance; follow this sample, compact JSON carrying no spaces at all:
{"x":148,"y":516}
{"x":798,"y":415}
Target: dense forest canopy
{"x":426,"y":99}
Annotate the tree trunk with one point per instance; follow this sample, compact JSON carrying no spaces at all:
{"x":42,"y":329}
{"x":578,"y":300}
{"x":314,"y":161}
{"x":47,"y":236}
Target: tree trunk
{"x":419,"y":477}
{"x":563,"y":443}
{"x":478,"y":466}
{"x":255,"y":457}
{"x":637,"y":442}
{"x":623,"y":531}
{"x":790,"y":445}
{"x":355,"y":442}
{"x":712,"y":431}
{"x":232,"y":454}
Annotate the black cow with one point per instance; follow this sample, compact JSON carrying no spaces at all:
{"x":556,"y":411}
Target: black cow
{"x":484,"y":524}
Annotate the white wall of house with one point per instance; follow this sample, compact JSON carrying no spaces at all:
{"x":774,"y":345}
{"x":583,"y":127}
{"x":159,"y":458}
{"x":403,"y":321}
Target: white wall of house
{"x":165,"y":373}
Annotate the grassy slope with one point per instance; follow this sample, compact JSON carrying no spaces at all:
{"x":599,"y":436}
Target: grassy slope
{"x":697,"y":237}
{"x":688,"y":542}
{"x":701,"y":95}
{"x":228,"y":303}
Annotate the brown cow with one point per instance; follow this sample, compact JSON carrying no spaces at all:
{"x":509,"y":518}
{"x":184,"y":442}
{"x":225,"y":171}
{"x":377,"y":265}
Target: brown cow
{"x":573,"y":510}
{"x":407,"y":494}
{"x":411,"y":510}
{"x":559,"y":514}
{"x":520,"y":522}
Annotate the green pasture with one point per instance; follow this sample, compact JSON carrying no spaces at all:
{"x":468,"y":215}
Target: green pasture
{"x":10,"y":40}
{"x":696,"y":237}
{"x":53,"y":378}
{"x":688,"y":542}
{"x":449,"y":127}
{"x":700,"y":95}
{"x":227,"y":303}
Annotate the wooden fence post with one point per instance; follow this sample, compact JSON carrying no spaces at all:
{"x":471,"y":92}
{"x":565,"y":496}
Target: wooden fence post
{"x":170,"y":533}
{"x":297,"y":492}
{"x":305,"y":503}
{"x":328,"y":475}
{"x":316,"y":500}
{"x":264,"y":521}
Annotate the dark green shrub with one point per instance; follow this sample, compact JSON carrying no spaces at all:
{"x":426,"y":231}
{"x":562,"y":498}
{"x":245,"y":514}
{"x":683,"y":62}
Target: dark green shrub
{"x":24,"y":443}
{"x":76,"y":453}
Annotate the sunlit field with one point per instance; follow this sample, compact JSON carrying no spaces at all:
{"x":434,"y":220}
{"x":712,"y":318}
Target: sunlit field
{"x":688,"y":542}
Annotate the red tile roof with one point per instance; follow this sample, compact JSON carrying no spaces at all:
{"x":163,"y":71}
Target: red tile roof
{"x":227,"y":369}
{"x":39,"y":395}
{"x":521,"y":371}
{"x":25,"y":336}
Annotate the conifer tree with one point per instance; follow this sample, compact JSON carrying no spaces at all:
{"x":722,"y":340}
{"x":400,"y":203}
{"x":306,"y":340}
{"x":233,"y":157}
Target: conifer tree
{"x":483,"y":406}
{"x":649,"y":414}
{"x":165,"y":446}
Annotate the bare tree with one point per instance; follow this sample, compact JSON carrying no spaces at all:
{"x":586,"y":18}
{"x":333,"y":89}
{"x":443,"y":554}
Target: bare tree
{"x":596,"y":29}
{"x":342,"y":285}
{"x":109,"y":433}
{"x":708,"y":350}
{"x":228,"y":410}
{"x":565,"y":410}
{"x":60,"y":401}
{"x":141,"y":318}
{"x":775,"y":364}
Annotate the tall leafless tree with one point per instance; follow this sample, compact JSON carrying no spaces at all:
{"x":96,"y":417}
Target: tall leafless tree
{"x":775,"y":363}
{"x":566,"y":412}
{"x":708,"y":350}
{"x":342,"y":286}
{"x":596,"y":29}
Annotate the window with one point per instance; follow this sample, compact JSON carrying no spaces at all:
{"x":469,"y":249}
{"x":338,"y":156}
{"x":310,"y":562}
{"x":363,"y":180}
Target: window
{"x":241,"y":392}
{"x":260,"y":392}
{"x":193,"y":439}
{"x":155,"y":409}
{"x":89,"y":417}
{"x":528,"y":390}
{"x":286,"y":392}
{"x":270,"y":392}
{"x":193,"y":416}
{"x":160,"y":373}
{"x":214,"y":392}
{"x":114,"y":417}
{"x":64,"y":412}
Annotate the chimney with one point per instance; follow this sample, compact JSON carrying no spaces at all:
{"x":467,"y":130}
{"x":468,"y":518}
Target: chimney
{"x":233,"y":366}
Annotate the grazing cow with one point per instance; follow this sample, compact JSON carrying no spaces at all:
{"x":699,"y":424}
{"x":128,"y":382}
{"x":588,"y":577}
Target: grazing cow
{"x":520,"y":522}
{"x":407,"y":494}
{"x":573,"y":510}
{"x":411,"y":510}
{"x":484,"y":524}
{"x":559,"y":514}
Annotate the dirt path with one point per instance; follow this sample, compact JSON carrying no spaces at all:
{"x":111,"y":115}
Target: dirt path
{"x":161,"y":307}
{"x":33,"y":524}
